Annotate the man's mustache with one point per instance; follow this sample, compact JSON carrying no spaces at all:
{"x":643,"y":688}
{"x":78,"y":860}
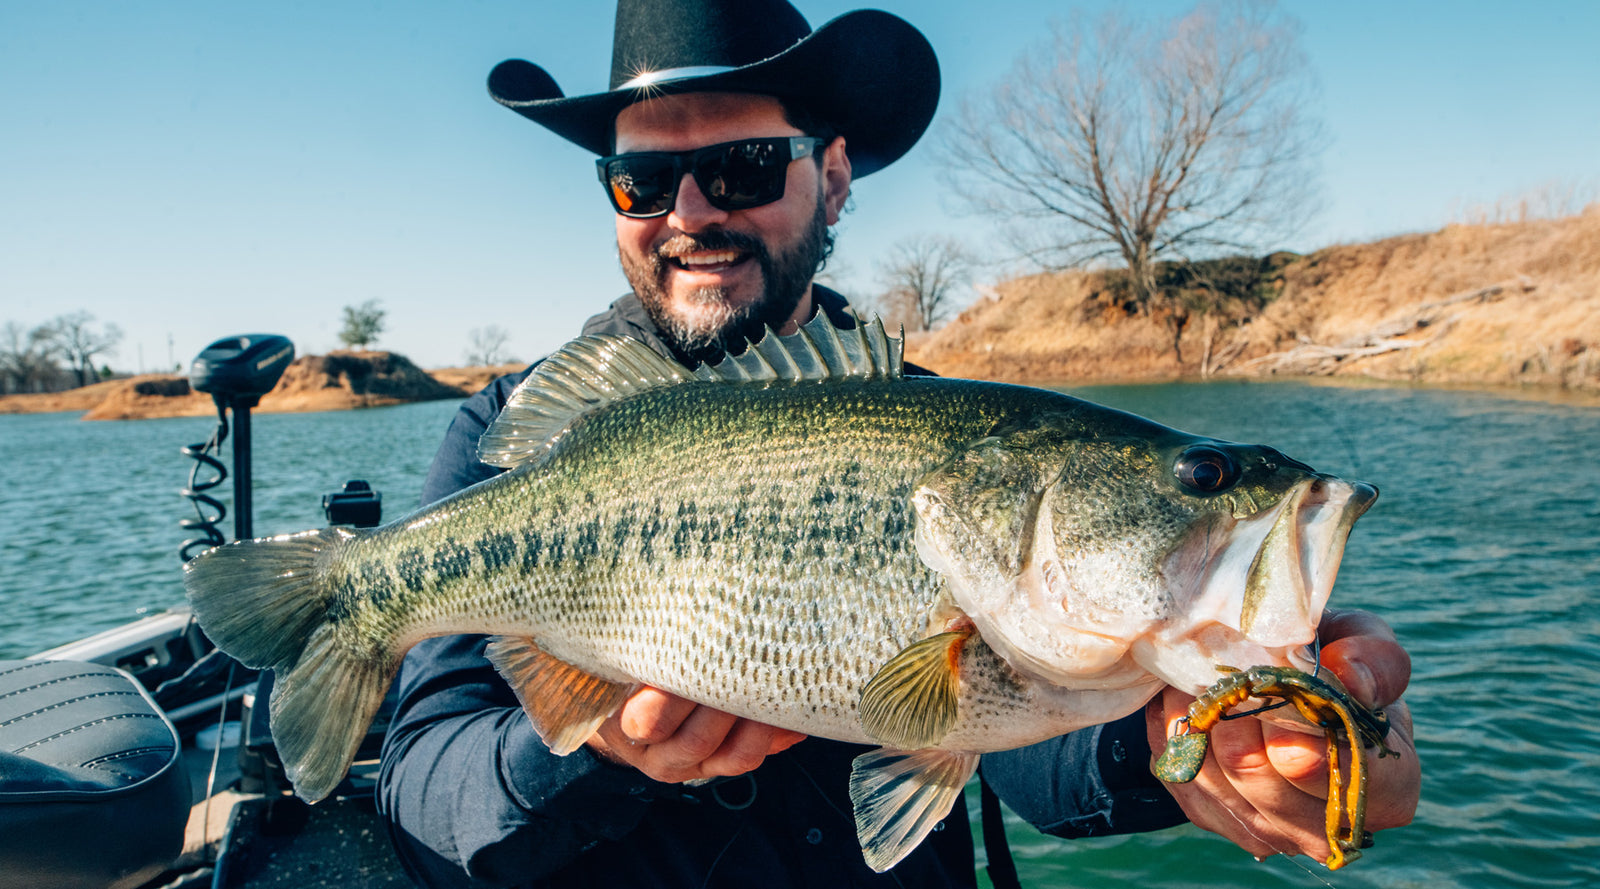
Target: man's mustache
{"x":685,"y":244}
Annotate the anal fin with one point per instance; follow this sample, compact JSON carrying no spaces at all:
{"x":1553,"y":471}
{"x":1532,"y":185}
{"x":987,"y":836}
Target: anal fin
{"x":899,"y":797}
{"x":565,"y":704}
{"x":910,"y":703}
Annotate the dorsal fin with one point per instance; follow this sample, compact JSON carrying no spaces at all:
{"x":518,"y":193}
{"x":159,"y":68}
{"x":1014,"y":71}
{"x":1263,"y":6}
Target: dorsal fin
{"x":817,"y":351}
{"x":593,"y":371}
{"x":581,"y":376}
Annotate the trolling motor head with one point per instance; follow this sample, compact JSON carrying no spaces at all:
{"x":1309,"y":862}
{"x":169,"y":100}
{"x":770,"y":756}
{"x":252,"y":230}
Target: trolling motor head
{"x":238,"y":370}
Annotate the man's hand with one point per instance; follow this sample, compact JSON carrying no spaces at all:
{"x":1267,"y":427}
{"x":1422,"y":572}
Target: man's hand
{"x":1264,"y":786}
{"x":673,"y":740}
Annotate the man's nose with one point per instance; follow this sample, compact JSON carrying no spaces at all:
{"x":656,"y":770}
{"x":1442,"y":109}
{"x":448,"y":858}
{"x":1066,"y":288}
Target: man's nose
{"x":691,"y":211}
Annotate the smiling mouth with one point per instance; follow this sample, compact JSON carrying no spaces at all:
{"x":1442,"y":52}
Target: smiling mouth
{"x":708,"y":261}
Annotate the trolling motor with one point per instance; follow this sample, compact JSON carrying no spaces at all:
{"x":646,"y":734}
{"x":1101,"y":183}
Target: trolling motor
{"x":236,"y":371}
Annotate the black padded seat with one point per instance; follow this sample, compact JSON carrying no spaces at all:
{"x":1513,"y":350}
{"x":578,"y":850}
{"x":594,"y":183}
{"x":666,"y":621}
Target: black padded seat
{"x":92,"y":792}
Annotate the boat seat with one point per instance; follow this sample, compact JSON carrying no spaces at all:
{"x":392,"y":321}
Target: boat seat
{"x":92,"y":792}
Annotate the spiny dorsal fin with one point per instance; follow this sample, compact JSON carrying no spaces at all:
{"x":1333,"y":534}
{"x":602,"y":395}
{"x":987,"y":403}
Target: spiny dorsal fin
{"x":581,"y":376}
{"x":817,"y":351}
{"x":593,"y":371}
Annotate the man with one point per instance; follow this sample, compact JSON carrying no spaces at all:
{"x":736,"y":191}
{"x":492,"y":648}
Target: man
{"x":733,"y":133}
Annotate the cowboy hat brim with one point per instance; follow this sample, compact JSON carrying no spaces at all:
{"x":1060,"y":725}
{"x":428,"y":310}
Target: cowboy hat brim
{"x":868,"y":73}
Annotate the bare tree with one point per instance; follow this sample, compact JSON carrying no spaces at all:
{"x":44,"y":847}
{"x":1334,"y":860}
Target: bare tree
{"x":1145,"y":141}
{"x":924,"y":275}
{"x":27,"y":358}
{"x":362,"y":324}
{"x":486,"y":346}
{"x":77,"y":341}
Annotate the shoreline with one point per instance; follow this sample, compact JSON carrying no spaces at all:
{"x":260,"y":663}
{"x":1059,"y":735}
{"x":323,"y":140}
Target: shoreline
{"x":199,"y":405}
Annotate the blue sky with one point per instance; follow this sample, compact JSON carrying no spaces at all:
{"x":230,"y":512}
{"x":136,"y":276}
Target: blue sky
{"x":190,"y":170}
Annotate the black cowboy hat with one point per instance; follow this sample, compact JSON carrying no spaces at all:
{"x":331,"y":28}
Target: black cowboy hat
{"x":869,"y":74}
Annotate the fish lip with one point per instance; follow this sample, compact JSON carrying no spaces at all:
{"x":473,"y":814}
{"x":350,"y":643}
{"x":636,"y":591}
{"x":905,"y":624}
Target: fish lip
{"x":1294,"y":569}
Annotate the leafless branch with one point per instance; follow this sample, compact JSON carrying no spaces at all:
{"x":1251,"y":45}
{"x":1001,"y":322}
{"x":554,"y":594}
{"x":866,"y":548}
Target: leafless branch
{"x":1144,"y":141}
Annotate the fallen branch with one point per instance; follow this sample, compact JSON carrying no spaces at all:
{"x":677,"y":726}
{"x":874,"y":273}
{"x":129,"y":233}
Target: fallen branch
{"x":1396,"y":334}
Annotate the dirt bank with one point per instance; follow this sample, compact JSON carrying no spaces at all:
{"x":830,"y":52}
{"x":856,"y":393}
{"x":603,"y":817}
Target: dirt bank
{"x":1484,"y":306}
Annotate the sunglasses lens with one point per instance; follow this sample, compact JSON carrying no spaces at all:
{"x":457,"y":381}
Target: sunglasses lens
{"x":642,"y":185}
{"x":733,"y":176}
{"x":743,"y":175}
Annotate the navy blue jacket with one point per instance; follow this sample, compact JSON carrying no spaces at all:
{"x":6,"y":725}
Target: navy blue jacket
{"x":473,"y":798}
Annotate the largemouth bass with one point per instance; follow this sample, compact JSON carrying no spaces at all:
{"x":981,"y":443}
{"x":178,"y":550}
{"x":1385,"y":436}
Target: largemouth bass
{"x":803,"y":536}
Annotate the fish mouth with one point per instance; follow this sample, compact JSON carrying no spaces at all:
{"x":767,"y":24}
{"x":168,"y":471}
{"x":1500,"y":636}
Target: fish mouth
{"x":1261,"y":586}
{"x":1292,"y":574}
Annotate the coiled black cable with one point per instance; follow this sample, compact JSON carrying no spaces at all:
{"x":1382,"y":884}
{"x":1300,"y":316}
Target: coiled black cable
{"x":203,"y":522}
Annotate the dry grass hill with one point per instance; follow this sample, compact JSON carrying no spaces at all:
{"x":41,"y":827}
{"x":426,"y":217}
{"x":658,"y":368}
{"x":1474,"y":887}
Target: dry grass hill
{"x":1477,"y":305}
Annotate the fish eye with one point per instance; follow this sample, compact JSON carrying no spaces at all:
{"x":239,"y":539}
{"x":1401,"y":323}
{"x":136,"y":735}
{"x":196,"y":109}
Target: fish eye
{"x":1206,"y":469}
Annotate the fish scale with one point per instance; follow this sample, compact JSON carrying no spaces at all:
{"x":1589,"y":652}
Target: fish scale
{"x":803,"y":537}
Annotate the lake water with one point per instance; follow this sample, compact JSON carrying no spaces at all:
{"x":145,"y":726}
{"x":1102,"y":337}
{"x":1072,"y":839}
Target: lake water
{"x":1483,"y":552}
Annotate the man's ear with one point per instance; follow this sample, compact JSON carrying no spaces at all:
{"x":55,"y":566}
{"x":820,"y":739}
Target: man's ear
{"x":835,"y":179}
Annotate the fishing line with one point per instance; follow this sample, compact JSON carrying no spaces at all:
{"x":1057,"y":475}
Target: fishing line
{"x":848,"y":817}
{"x":718,"y":860}
{"x":216,"y":756}
{"x":1287,"y":856}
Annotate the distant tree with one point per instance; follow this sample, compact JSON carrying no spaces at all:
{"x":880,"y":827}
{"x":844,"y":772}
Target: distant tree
{"x":362,"y":324}
{"x":487,"y":346}
{"x":924,"y":275}
{"x":77,"y":341}
{"x":1146,"y":141}
{"x":27,"y":357}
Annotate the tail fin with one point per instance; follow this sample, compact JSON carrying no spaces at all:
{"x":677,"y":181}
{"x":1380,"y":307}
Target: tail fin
{"x":266,"y":602}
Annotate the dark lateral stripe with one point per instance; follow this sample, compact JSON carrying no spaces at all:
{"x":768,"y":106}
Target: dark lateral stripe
{"x":451,"y":560}
{"x":498,"y":550}
{"x":412,"y":567}
{"x":532,"y":550}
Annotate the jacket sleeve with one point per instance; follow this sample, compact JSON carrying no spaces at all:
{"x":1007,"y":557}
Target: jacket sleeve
{"x":470,"y":794}
{"x":1091,"y":782}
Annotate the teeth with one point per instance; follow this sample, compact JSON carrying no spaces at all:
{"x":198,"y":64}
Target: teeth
{"x":709,"y":258}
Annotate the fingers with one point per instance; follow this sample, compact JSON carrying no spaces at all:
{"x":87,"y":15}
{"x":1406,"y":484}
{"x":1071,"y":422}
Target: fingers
{"x":1361,"y":649}
{"x":1394,"y":778}
{"x":674,"y":740}
{"x":651,"y":716}
{"x":1238,"y":793}
{"x":1263,"y":786}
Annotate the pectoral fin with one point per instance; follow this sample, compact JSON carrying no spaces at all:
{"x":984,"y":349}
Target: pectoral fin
{"x":900,"y":796}
{"x":565,"y":704}
{"x":911,"y":702}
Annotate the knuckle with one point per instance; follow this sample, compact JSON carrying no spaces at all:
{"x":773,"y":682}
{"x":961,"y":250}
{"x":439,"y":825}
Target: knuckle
{"x":699,"y":745}
{"x":740,"y":759}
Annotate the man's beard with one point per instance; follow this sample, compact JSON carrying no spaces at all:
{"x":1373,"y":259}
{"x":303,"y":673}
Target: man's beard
{"x":720,"y":328}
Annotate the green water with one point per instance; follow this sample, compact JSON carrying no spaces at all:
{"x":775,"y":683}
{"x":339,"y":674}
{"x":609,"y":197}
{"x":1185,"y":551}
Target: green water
{"x":1483,"y":551}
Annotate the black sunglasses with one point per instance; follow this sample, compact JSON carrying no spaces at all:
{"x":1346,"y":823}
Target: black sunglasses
{"x":733,"y":175}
